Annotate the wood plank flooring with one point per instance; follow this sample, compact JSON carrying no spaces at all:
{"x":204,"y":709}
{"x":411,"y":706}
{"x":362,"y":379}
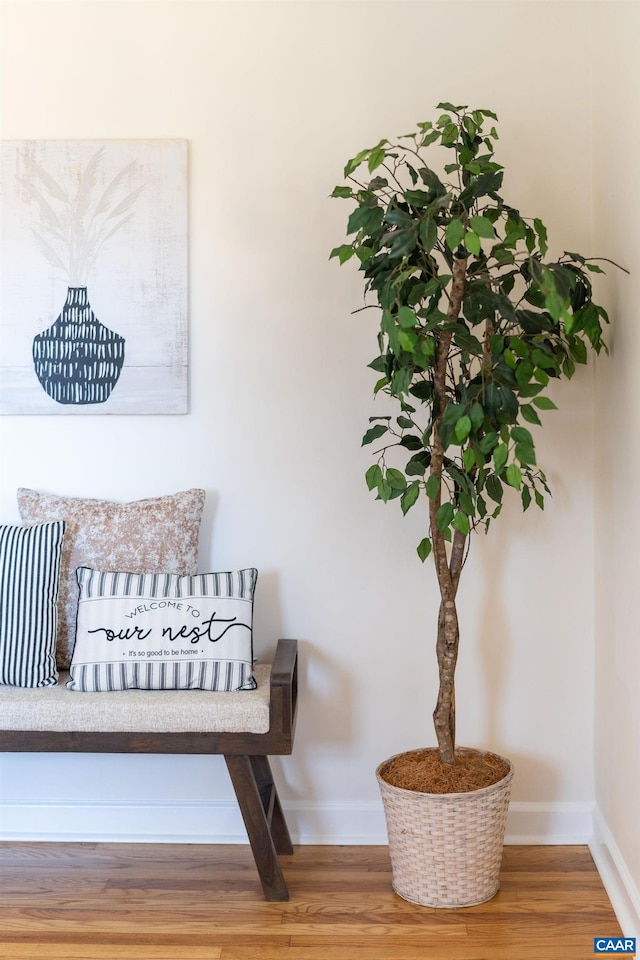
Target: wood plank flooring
{"x":70,"y":901}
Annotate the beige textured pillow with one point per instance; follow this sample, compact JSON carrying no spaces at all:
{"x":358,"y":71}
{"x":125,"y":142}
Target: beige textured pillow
{"x":159,"y":535}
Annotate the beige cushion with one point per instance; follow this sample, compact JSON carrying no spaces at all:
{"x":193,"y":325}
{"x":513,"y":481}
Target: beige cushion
{"x":159,"y":535}
{"x":140,"y":711}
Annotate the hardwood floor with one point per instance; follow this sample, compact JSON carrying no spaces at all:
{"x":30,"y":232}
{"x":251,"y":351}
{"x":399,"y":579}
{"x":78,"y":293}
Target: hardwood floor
{"x":189,"y":902}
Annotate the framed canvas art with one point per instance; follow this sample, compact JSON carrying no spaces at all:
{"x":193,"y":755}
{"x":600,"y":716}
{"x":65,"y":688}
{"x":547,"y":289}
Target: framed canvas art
{"x":93,"y":282}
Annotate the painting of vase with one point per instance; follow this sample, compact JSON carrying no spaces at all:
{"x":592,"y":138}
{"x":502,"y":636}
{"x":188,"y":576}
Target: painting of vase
{"x":77,"y":359}
{"x":94,"y":282}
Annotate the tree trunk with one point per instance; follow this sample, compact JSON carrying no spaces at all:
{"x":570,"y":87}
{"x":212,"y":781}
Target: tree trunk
{"x":444,"y":715}
{"x":448,"y":572}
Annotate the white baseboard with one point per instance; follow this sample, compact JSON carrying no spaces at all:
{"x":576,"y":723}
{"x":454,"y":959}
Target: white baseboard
{"x":549,"y":823}
{"x":310,"y":822}
{"x":616,"y":876}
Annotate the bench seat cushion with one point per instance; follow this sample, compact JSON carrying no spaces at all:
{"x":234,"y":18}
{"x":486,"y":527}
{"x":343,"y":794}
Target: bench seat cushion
{"x":141,"y":711}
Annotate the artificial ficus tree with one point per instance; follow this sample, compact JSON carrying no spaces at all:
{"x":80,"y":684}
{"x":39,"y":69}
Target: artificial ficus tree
{"x":474,"y":324}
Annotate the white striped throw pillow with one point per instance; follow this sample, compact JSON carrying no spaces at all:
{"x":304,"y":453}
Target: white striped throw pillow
{"x":160,"y":631}
{"x":29,"y":583}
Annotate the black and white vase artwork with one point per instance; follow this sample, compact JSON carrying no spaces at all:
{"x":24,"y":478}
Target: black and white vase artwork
{"x":94,"y":278}
{"x":77,"y":359}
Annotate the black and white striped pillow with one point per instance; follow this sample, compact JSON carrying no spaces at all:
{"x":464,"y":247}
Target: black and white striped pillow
{"x":160,"y":631}
{"x":29,"y":582}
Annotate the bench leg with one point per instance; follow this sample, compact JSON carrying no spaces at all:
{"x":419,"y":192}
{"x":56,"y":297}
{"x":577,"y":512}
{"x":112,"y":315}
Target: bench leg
{"x":271,"y":804}
{"x":263,"y":819}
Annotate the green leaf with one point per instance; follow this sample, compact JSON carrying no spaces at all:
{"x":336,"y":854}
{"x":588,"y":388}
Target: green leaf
{"x":543,"y":359}
{"x":510,"y":359}
{"x":423,"y":390}
{"x":452,"y":413}
{"x":544,"y":403}
{"x":366,"y":218}
{"x":373,"y":433}
{"x":488,"y":442}
{"x":403,"y":242}
{"x":541,"y":230}
{"x":477,"y":416}
{"x":486,"y":183}
{"x":379,"y":364}
{"x":521,"y":435}
{"x":432,"y":487}
{"x":514,"y":476}
{"x":400,"y":382}
{"x":398,"y":217}
{"x":410,"y":496}
{"x":428,"y":234}
{"x":407,"y":340}
{"x":483,"y":227}
{"x":461,"y":523}
{"x":344,"y":192}
{"x":526,"y":498}
{"x":417,"y":465}
{"x":494,"y":488}
{"x":378,"y":183}
{"x":466,"y":504}
{"x":384,"y":491}
{"x":449,"y":106}
{"x":432,"y":181}
{"x":469,"y":459}
{"x":466,"y":340}
{"x":406,"y":317}
{"x":364,"y":254}
{"x":578,"y":350}
{"x":344,"y":253}
{"x":496,"y":342}
{"x":373,"y":476}
{"x":500,"y":456}
{"x":410,"y":442}
{"x":529,"y":414}
{"x":396,"y":479}
{"x":376,"y":157}
{"x":525,"y":454}
{"x":424,"y":548}
{"x":524,"y":372}
{"x":530,"y":390}
{"x":462,"y":429}
{"x":444,"y":516}
{"x":472,"y":242}
{"x":454,"y":234}
{"x":354,"y":163}
{"x":417,"y":198}
{"x":430,"y":138}
{"x":519,"y":347}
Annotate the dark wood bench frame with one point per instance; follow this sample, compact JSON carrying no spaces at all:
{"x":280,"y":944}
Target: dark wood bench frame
{"x":246,"y":755}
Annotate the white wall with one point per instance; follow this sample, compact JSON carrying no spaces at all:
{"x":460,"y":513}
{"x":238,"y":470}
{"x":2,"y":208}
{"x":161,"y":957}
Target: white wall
{"x":616,"y":100}
{"x":274,"y":97}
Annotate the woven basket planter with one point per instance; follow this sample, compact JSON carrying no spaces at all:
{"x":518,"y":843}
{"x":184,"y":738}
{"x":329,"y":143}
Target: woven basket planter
{"x":446,"y":849}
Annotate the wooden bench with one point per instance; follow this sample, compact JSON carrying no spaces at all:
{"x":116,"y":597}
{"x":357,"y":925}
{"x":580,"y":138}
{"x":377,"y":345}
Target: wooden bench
{"x":246,"y":753}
